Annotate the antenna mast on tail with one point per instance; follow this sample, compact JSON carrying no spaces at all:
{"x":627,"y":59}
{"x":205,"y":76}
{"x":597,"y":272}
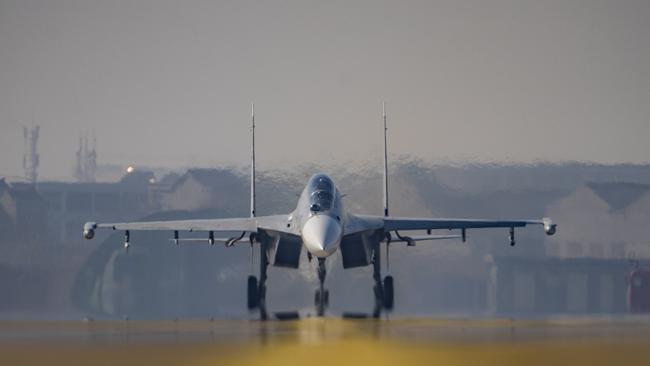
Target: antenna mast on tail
{"x":253,"y":160}
{"x":383,"y":112}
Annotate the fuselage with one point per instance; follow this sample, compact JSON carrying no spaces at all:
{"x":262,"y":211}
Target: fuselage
{"x":320,"y":216}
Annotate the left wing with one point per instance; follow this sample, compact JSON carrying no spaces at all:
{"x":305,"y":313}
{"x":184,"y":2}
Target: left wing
{"x":401,"y":223}
{"x":360,"y":223}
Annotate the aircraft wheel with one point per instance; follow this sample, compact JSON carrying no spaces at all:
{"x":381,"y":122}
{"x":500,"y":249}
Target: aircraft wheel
{"x":253,"y":296}
{"x":388,"y":293}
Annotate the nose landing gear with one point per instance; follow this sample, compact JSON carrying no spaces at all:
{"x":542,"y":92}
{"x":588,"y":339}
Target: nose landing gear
{"x":321,"y":298}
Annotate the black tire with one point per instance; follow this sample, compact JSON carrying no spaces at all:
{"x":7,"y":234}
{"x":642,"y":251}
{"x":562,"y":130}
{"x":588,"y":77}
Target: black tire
{"x":252,"y":293}
{"x":326,"y":297}
{"x":388,"y":293}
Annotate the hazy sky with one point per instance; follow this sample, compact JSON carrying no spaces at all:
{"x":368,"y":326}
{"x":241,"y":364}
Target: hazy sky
{"x":169,"y":83}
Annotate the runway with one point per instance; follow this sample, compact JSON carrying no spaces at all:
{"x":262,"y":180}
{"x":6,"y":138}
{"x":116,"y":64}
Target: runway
{"x":327,"y":341}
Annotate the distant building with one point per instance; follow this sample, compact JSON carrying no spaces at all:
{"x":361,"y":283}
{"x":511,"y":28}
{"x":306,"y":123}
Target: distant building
{"x":70,"y":205}
{"x":200,"y":189}
{"x":601,"y":226}
{"x":23,"y":230}
{"x":22,"y":212}
{"x":602,"y":220}
{"x":41,"y":237}
{"x":557,"y":286}
{"x":137,"y":194}
{"x":6,"y":222}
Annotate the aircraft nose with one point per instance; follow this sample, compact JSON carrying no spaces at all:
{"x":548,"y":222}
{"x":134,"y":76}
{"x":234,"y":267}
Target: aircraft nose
{"x":321,"y":235}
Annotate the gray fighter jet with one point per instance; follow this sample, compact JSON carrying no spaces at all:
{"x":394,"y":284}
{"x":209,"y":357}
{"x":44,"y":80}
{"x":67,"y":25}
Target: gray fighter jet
{"x":320,"y":224}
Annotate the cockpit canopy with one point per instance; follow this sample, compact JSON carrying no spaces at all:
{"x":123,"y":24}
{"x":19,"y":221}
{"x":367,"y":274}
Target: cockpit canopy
{"x":321,"y":193}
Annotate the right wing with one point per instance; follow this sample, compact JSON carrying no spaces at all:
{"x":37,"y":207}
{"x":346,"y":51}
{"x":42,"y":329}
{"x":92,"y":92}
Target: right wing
{"x":238,"y":224}
{"x":277,"y":223}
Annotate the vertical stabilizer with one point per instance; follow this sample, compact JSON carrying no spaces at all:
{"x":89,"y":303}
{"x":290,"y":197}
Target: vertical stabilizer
{"x":383,"y":112}
{"x":253,"y":160}
{"x":31,"y":157}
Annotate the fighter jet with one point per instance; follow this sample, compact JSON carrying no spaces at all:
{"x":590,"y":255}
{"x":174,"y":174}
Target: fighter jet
{"x":321,"y":225}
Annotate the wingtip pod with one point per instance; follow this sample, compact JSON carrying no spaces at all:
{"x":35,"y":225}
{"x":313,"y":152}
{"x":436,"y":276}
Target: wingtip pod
{"x":549,"y":227}
{"x":89,"y":230}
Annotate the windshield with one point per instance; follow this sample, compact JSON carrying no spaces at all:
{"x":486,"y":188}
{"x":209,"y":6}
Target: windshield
{"x":321,"y":200}
{"x":322,"y":193}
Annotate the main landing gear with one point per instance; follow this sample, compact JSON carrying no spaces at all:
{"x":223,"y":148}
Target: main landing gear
{"x":384,"y":290}
{"x":256,"y":291}
{"x":321,"y":298}
{"x":388,"y":293}
{"x":253,"y":298}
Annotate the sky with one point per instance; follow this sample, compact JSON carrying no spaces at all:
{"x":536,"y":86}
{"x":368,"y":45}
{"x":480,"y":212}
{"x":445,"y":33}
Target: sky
{"x":170,"y":83}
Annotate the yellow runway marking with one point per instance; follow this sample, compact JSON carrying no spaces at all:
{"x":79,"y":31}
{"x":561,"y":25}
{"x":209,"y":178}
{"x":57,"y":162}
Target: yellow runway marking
{"x":331,"y":342}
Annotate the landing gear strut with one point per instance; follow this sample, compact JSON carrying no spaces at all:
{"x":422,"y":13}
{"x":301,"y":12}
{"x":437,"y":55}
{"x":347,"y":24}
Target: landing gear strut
{"x":384,"y":290}
{"x":256,"y":291}
{"x":378,"y":288}
{"x":264,"y":264}
{"x":321,"y":298}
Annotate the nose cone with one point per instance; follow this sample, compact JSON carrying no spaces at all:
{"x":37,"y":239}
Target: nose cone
{"x":321,"y":235}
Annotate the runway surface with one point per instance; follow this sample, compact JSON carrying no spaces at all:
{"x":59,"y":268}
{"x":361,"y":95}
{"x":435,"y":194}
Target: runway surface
{"x":328,"y":341}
